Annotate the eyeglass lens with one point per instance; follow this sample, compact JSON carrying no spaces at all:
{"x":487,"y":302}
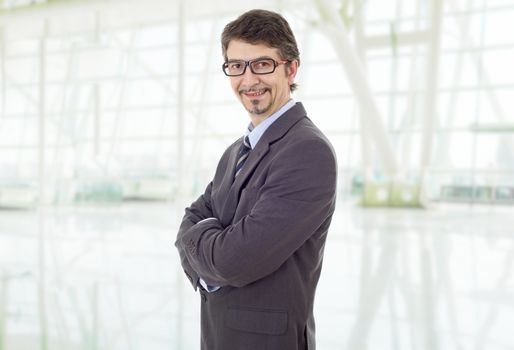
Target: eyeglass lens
{"x":260,"y":66}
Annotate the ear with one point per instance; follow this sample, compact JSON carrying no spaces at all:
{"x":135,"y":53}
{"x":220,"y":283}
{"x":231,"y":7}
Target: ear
{"x":292,"y":70}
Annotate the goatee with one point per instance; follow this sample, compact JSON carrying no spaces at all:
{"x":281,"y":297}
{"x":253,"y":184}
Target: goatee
{"x":255,"y":110}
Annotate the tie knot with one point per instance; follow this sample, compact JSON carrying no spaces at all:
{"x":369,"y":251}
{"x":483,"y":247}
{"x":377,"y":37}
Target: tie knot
{"x":246,"y":142}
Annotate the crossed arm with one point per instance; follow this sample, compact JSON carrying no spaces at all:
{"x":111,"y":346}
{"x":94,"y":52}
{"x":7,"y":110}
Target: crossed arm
{"x":293,"y":203}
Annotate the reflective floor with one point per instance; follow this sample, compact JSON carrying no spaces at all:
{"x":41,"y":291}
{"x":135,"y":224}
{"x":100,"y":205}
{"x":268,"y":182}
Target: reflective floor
{"x":108,"y":278}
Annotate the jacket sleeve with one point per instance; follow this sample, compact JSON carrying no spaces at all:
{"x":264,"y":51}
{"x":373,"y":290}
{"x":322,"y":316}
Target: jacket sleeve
{"x":197,"y":211}
{"x":296,"y":199}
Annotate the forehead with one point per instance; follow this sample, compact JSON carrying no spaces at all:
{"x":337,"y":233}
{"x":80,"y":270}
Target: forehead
{"x":242,"y":50}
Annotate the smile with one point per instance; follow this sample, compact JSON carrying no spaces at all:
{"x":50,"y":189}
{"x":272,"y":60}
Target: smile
{"x":256,"y":93}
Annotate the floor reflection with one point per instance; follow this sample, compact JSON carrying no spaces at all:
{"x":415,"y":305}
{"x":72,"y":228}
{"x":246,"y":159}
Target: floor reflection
{"x":108,"y":278}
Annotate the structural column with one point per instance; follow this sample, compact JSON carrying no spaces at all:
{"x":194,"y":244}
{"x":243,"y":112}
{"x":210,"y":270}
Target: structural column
{"x":430,"y":115}
{"x":2,"y":73}
{"x":42,"y":190}
{"x":336,"y":32}
{"x":180,"y":165}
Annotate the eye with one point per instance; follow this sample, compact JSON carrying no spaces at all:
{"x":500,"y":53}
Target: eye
{"x":234,"y":65}
{"x":263,"y":64}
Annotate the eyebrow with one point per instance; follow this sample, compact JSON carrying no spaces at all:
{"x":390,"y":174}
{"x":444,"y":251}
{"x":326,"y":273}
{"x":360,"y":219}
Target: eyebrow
{"x":253,"y":59}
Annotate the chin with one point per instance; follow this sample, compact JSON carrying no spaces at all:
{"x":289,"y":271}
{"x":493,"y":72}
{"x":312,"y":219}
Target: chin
{"x":259,"y":112}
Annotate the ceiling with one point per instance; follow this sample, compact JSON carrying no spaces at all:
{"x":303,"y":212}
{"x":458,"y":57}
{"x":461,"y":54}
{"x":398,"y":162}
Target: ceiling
{"x":64,"y":17}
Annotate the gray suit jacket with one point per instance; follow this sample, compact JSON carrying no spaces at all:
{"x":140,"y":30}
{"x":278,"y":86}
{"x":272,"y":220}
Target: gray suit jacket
{"x":265,"y":249}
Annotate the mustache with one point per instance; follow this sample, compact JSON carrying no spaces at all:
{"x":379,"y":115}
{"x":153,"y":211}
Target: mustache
{"x":253,"y":89}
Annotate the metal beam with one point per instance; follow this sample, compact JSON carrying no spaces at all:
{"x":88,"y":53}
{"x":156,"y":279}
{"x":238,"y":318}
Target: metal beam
{"x":335,"y":29}
{"x":366,"y":146}
{"x":41,"y":114}
{"x":493,"y":127}
{"x":180,"y":97}
{"x":128,"y":59}
{"x":200,"y":115}
{"x":97,"y":95}
{"x":401,"y":39}
{"x":3,"y":86}
{"x":430,"y":116}
{"x":412,"y":96}
{"x":42,"y":304}
{"x":4,"y":280}
{"x":180,"y":164}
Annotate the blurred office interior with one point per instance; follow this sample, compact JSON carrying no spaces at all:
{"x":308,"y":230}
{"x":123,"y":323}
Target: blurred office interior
{"x":113,"y":115}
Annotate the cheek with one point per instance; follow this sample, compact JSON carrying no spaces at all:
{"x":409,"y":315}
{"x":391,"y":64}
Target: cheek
{"x":234,"y":84}
{"x":269,"y":83}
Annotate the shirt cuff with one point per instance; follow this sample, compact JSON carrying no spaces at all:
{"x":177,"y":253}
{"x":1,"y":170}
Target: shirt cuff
{"x":208,"y":288}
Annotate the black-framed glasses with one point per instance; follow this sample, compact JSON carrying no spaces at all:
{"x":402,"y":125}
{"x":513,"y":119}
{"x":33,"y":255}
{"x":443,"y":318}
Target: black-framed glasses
{"x":260,"y":66}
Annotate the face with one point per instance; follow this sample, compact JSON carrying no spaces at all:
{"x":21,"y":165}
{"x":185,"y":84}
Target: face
{"x":261,"y":95}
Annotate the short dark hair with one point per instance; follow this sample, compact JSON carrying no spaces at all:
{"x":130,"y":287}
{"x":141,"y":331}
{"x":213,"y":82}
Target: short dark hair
{"x":263,"y":27}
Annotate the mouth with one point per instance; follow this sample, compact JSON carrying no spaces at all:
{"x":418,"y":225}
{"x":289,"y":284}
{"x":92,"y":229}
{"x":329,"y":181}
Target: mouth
{"x":254,"y":93}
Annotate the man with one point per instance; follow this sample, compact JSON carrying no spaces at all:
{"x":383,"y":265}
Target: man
{"x":253,"y":242}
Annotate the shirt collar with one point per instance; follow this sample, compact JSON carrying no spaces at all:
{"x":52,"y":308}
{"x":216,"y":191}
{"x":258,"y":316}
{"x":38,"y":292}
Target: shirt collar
{"x":254,"y":133}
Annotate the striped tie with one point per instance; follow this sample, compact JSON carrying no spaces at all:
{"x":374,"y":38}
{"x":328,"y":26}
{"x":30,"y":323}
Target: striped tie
{"x":243,"y":154}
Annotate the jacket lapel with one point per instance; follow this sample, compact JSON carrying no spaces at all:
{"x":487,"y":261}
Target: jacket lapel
{"x":233,"y":189}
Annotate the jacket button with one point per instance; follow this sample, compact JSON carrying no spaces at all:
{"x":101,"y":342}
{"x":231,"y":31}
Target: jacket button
{"x":204,"y":298}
